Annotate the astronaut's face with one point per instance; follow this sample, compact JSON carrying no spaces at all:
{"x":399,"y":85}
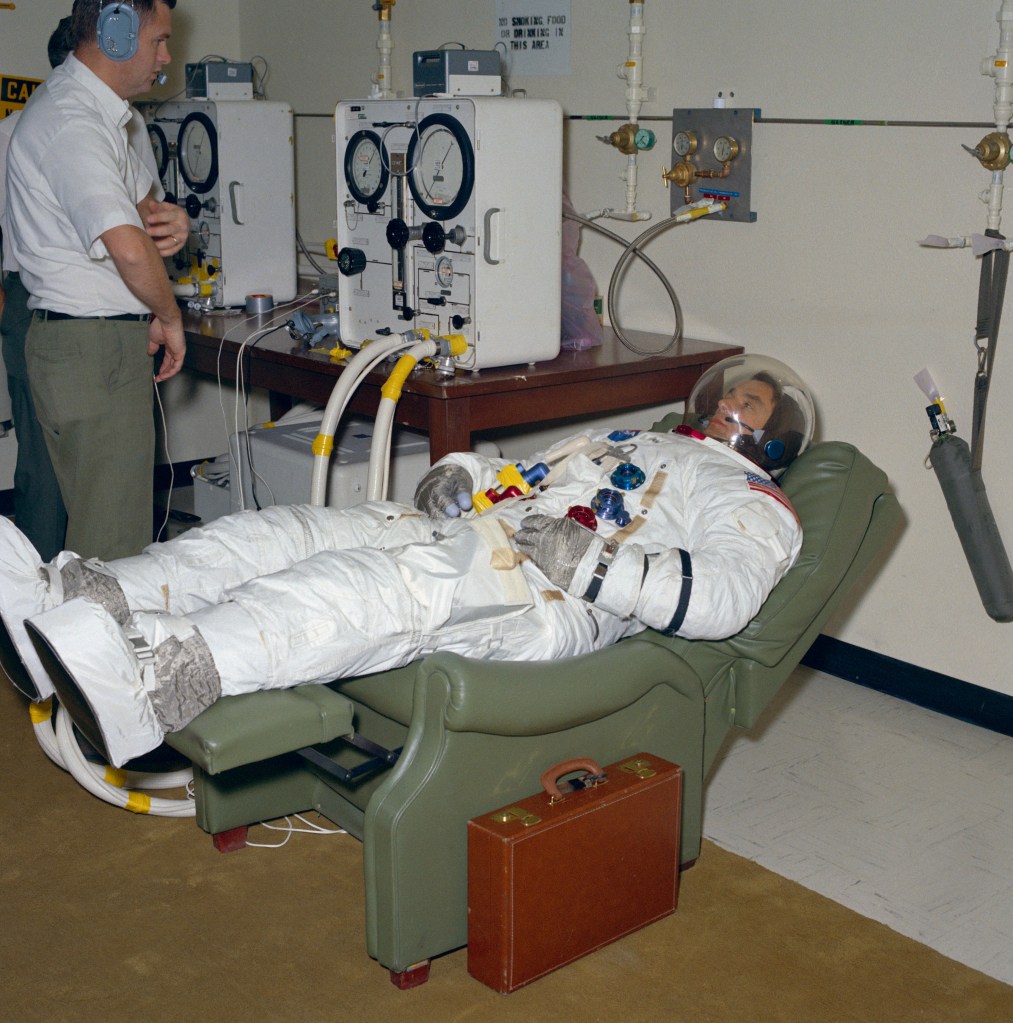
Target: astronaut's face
{"x":745,"y":409}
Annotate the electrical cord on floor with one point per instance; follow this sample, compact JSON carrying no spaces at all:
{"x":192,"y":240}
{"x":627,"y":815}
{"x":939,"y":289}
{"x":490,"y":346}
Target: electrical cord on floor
{"x":289,"y":829}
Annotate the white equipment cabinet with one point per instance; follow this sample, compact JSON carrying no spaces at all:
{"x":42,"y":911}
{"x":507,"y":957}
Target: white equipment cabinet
{"x":449,"y":218}
{"x":231,"y":165}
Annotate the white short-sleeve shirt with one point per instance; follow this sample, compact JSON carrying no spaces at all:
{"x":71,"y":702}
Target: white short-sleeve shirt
{"x":72,"y":175}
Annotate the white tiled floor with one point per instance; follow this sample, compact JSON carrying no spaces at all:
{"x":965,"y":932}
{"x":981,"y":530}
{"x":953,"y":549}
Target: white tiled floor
{"x":899,"y":813}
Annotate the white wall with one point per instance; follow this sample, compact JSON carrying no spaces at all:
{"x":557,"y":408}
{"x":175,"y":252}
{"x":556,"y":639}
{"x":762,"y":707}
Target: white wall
{"x":829,"y":278}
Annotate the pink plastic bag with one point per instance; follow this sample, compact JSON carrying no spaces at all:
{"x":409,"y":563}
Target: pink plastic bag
{"x":579,"y":325}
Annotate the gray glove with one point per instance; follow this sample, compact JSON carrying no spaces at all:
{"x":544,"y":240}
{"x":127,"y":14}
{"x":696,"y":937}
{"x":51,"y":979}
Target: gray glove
{"x":554,"y":545}
{"x":444,"y":492}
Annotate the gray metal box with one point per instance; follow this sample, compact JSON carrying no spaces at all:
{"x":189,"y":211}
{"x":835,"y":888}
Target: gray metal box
{"x":456,"y":73}
{"x":219,"y":80}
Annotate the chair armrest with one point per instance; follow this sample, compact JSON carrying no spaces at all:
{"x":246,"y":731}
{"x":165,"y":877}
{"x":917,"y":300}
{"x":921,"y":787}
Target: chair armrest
{"x":539,"y":697}
{"x":245,"y":729}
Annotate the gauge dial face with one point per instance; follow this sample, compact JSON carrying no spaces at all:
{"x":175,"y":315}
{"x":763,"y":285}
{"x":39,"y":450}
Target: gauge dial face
{"x":204,"y":232}
{"x":366,"y":167}
{"x":684,"y":143}
{"x":442,"y":166}
{"x":644,"y":139}
{"x":197,"y":148}
{"x":725,"y":149}
{"x":160,"y":149}
{"x":444,"y":272}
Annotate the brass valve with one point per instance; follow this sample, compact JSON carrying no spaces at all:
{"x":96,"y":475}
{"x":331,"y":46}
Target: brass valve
{"x":993,"y":151}
{"x":624,"y":139}
{"x":682,"y":174}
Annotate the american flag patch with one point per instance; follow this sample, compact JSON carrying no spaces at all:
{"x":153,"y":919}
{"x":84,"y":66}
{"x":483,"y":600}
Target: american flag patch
{"x":762,"y":485}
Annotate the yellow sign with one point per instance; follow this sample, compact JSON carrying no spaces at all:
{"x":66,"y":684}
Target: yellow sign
{"x":14,"y":92}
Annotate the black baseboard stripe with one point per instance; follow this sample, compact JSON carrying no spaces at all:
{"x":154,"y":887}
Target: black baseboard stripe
{"x":942,"y":693}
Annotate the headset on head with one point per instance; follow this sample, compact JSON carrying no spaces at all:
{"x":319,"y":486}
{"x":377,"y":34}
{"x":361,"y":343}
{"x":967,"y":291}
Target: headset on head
{"x":118,"y":30}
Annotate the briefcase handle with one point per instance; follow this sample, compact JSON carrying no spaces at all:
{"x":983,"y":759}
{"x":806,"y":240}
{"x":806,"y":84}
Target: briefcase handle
{"x":551,"y":776}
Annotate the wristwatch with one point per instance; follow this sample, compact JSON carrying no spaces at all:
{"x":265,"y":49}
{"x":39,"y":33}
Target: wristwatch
{"x":605,"y":556}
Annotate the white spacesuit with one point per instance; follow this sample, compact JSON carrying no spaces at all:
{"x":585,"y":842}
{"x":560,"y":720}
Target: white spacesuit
{"x":688,"y":536}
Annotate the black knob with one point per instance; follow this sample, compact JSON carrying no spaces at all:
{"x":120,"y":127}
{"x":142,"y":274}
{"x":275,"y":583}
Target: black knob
{"x":457,"y":322}
{"x":433,"y":237}
{"x":398,"y":234}
{"x":192,"y":206}
{"x":351,"y":261}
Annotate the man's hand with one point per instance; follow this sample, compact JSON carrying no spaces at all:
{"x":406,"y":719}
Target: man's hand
{"x":166,"y":224}
{"x":556,"y":546}
{"x":170,"y":337}
{"x":444,"y":492}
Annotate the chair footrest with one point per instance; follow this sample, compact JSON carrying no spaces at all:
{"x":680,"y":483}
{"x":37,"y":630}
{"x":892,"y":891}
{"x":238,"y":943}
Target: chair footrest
{"x":240,"y":730}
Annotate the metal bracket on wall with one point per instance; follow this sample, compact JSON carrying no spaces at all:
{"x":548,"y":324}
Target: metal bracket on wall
{"x":712,"y":155}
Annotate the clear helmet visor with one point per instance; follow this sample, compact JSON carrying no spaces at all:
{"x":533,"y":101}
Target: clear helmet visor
{"x":756,"y":405}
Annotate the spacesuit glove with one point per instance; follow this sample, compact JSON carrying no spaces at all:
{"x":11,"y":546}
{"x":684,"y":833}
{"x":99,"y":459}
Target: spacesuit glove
{"x":556,"y":546}
{"x":444,"y":492}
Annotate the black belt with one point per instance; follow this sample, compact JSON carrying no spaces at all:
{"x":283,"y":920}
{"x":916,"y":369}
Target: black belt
{"x":48,"y":314}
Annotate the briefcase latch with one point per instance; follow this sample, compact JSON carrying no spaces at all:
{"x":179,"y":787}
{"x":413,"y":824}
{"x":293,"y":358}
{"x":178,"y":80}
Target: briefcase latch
{"x":640,"y":767}
{"x":516,"y":813}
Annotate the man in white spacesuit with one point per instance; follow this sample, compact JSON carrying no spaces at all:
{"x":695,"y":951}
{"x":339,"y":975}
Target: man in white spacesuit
{"x":602,"y":536}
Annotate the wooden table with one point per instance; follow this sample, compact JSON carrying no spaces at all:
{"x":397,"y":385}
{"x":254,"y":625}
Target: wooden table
{"x":606,"y":378}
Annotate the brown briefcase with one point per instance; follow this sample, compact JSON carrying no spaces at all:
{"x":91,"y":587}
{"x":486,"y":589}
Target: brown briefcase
{"x":576,"y":866}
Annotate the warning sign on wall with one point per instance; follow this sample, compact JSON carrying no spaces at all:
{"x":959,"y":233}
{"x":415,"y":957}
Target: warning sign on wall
{"x":534,"y":36}
{"x":14,"y":92}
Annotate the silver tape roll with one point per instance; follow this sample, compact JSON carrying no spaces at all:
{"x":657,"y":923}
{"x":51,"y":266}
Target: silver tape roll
{"x":256,"y":304}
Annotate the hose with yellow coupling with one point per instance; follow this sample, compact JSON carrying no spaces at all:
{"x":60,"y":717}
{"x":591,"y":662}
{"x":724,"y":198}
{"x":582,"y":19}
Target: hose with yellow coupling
{"x":379,"y":454}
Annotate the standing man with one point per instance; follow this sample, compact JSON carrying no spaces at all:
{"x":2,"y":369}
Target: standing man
{"x":38,"y":504}
{"x":90,"y":240}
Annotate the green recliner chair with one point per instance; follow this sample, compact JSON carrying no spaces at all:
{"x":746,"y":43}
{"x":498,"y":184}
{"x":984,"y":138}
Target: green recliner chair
{"x":403,"y":759}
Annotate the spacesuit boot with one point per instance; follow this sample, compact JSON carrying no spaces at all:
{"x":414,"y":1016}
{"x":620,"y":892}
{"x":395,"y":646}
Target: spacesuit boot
{"x":122,"y":689}
{"x":28,"y":587}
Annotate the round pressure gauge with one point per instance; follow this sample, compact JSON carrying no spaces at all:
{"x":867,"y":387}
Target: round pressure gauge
{"x":442,"y":166}
{"x":444,"y":272}
{"x":644,"y":139}
{"x":725,"y":149}
{"x":197,"y":148}
{"x":160,"y":148}
{"x":366,"y":170}
{"x":684,"y":143}
{"x":204,"y":233}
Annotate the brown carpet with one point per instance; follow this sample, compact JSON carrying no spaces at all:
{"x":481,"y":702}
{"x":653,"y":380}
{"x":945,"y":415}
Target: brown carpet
{"x":109,"y":916}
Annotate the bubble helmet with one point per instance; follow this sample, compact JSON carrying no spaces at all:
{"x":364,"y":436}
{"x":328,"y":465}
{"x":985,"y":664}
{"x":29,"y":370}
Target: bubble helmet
{"x":756,"y":405}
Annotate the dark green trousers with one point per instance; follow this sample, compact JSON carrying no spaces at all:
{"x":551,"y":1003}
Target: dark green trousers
{"x":91,"y":382}
{"x":38,"y":503}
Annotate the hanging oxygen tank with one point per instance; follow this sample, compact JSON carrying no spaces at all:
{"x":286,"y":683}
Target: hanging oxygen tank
{"x":958,"y":465}
{"x":964,"y":490}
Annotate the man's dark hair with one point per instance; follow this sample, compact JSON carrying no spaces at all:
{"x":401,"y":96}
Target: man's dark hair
{"x":86,"y":12}
{"x":783,"y":423}
{"x":60,"y":42}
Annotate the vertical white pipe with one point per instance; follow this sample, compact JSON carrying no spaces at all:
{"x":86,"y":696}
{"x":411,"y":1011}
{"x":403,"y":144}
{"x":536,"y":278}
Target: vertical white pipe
{"x":381,"y":87}
{"x":633,"y":74}
{"x":1000,"y":68}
